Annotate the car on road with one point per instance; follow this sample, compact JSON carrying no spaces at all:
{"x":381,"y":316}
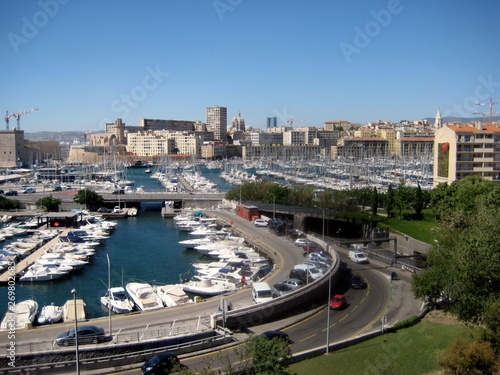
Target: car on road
{"x":86,"y":335}
{"x":65,"y":187}
{"x":281,"y":289}
{"x":163,"y":363}
{"x":260,"y":223}
{"x":358,"y":257}
{"x":338,"y":302}
{"x":294,"y":283}
{"x":357,"y":282}
{"x":275,"y":335}
{"x":11,"y":193}
{"x":29,"y":190}
{"x":57,"y":188}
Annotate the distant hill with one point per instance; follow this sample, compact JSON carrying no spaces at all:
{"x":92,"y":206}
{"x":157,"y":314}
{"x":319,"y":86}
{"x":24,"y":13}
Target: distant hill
{"x":444,"y":120}
{"x":68,"y":136}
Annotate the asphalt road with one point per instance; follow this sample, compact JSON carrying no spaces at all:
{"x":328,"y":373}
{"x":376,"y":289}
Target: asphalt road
{"x":363,"y":310}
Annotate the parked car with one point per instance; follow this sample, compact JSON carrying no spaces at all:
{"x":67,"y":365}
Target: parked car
{"x":57,"y":188}
{"x":86,"y":335}
{"x":119,"y":191}
{"x":357,"y":282}
{"x":117,"y":210}
{"x":320,"y":256}
{"x":260,"y":223}
{"x":162,"y":363}
{"x":338,"y":302}
{"x":301,"y":242}
{"x":275,"y":335}
{"x":312,"y":246}
{"x":2,"y":192}
{"x":281,"y":289}
{"x":103,"y":210}
{"x":306,"y":275}
{"x":294,"y":283}
{"x":11,"y":193}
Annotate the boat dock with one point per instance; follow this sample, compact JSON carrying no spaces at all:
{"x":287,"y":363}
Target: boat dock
{"x":30,"y":259}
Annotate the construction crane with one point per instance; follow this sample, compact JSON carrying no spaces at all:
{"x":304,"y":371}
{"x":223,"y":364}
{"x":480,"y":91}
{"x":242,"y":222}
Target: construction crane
{"x":18,"y":117}
{"x":490,"y":103}
{"x":291,"y":121}
{"x":85,"y":136}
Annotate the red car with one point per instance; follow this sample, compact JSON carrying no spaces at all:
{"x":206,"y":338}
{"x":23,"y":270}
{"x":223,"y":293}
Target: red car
{"x":312,"y":247}
{"x":338,"y":302}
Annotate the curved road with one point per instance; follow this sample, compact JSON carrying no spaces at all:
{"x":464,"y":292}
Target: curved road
{"x":364,"y":306}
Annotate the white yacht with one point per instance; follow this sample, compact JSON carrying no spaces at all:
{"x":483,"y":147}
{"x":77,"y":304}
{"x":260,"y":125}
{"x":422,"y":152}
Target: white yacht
{"x":208,"y":287}
{"x":172,"y":295}
{"x":116,"y":300}
{"x":144,"y":296}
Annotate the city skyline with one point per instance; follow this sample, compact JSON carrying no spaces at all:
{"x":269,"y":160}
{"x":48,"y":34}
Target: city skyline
{"x":85,"y":64}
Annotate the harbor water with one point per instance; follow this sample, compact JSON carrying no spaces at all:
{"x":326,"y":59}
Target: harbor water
{"x":143,"y":248}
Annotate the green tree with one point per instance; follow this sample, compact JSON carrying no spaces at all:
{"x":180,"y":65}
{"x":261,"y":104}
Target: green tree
{"x":49,"y":204}
{"x":465,"y":266}
{"x":267,"y":357}
{"x":89,"y":198}
{"x":389,"y":201}
{"x":419,"y":203}
{"x":8,"y":204}
{"x":374,"y":201}
{"x":465,"y":357}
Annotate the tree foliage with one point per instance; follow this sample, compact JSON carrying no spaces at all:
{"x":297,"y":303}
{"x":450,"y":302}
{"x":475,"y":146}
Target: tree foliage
{"x":49,"y":203}
{"x":465,"y":357}
{"x":89,"y":198}
{"x":8,"y":204}
{"x":374,"y":201}
{"x":465,"y":263}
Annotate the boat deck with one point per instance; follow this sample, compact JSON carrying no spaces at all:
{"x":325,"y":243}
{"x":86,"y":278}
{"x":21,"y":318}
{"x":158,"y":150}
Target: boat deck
{"x":30,"y":259}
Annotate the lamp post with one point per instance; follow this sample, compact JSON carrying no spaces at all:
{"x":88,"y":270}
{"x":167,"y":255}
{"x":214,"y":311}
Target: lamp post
{"x":327,"y":350}
{"x":73,"y":291}
{"x":274,"y":205}
{"x":323,"y":226}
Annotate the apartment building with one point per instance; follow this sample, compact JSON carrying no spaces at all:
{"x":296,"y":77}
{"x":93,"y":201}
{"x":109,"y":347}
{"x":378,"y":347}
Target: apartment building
{"x":217,"y":122}
{"x":149,"y":144}
{"x":461,"y":150}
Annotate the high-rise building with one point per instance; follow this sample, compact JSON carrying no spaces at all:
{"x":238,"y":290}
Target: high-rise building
{"x":217,"y":122}
{"x":272,"y":122}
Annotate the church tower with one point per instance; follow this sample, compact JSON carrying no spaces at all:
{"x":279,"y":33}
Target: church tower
{"x":437,"y":123}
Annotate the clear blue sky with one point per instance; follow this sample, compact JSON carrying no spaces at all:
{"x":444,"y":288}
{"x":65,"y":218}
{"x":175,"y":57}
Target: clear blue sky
{"x":87,"y":62}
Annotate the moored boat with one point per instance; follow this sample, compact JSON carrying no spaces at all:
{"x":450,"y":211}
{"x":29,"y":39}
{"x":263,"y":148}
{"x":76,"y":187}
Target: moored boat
{"x":20,"y":316}
{"x":144,"y":296}
{"x":116,"y":300}
{"x":50,"y":314}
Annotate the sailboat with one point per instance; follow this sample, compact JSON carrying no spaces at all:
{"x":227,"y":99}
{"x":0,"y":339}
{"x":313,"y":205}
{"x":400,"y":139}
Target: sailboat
{"x":116,"y":299}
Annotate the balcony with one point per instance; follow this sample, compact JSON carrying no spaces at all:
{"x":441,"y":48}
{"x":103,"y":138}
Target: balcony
{"x":483,"y":169}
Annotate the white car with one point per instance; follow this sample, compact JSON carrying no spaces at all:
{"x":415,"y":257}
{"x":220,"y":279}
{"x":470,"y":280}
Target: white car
{"x":260,"y":223}
{"x":117,"y":210}
{"x":358,"y":257}
{"x":301,"y":242}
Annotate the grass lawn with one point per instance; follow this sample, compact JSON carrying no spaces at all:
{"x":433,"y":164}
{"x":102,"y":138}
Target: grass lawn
{"x":410,"y":351}
{"x":418,"y":229}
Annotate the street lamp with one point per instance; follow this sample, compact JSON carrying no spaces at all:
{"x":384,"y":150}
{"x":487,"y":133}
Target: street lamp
{"x":328,"y":313}
{"x":73,"y":291}
{"x":274,"y":205}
